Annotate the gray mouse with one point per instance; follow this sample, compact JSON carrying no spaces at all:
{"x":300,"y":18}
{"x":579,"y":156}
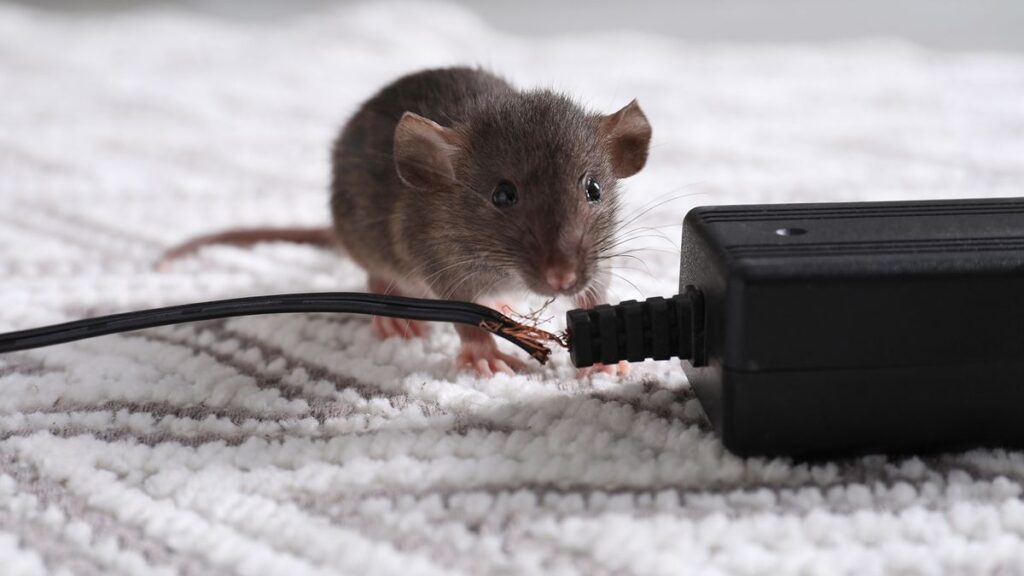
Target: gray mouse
{"x":451,"y":183}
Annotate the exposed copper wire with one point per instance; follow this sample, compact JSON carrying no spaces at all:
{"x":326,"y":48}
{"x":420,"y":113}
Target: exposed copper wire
{"x":531,"y":337}
{"x":533,"y":318}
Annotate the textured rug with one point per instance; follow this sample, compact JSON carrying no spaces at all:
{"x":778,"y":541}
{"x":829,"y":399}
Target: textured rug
{"x":300,"y":445}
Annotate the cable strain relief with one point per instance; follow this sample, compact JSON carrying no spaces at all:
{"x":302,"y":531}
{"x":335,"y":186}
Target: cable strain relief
{"x":658,"y":328}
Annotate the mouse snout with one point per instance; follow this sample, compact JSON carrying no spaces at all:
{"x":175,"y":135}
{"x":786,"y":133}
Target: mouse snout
{"x":561,"y":277}
{"x":562,"y":266}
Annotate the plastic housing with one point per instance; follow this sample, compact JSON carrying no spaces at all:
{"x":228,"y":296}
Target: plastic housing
{"x":835,"y":329}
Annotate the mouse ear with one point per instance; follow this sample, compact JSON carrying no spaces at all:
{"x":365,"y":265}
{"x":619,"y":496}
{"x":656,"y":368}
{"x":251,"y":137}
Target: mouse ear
{"x":627,"y":135}
{"x":424,"y":151}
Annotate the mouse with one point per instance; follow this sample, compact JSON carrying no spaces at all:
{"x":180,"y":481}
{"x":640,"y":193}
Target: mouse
{"x":452,"y":183}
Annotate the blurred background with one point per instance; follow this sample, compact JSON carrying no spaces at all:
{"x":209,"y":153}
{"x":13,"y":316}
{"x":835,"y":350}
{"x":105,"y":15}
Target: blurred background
{"x":939,"y":24}
{"x":143,"y":123}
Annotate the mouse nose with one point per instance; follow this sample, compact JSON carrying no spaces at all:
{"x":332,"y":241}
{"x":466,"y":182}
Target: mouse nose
{"x":561,"y":278}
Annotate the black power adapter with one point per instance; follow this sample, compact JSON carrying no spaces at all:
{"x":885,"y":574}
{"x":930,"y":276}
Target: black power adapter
{"x":832,"y":329}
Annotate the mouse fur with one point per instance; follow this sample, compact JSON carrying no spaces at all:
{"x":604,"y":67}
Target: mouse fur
{"x":414,"y":177}
{"x":411,"y":208}
{"x":452,"y":183}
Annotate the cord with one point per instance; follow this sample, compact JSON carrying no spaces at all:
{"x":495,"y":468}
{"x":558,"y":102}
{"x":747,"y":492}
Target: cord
{"x":657,"y":328}
{"x":529,"y":338}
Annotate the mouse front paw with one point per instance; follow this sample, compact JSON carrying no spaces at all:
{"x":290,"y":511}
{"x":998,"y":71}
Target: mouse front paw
{"x":384,"y":328}
{"x":486,"y":360}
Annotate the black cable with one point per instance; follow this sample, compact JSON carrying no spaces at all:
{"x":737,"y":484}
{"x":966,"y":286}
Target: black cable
{"x":657,"y":328}
{"x":526,"y":337}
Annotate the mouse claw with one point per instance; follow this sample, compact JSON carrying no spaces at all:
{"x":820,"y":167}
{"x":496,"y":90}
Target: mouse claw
{"x":620,"y":370}
{"x":384,"y":328}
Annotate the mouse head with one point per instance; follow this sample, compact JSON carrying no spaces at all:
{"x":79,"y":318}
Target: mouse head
{"x":531,"y":182}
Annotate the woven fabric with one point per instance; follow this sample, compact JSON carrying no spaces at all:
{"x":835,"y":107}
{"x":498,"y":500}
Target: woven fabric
{"x":299,"y":444}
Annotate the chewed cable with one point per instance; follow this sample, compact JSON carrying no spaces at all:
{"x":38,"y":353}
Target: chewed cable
{"x":531,"y":339}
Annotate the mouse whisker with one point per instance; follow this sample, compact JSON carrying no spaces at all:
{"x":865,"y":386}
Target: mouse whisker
{"x":483,"y":261}
{"x":663,"y":226}
{"x":652,"y":230}
{"x":606,"y":227}
{"x":423,"y":265}
{"x":465,"y":261}
{"x":610,"y":258}
{"x":607,"y":243}
{"x":588,"y":223}
{"x":498,"y":279}
{"x":668,"y":196}
{"x":454,"y":289}
{"x":629,"y":269}
{"x":597,"y":287}
{"x":627,"y":281}
{"x":647,"y":208}
{"x":633,"y":238}
{"x":648,"y":249}
{"x":626,"y":250}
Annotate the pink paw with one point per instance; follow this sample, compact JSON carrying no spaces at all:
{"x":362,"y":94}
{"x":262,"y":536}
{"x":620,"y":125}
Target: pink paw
{"x":384,"y":327}
{"x":503,"y":306}
{"x":486,"y":360}
{"x":620,"y":370}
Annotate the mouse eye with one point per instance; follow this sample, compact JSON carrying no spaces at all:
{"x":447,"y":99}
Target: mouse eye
{"x":592,"y":188}
{"x":505,"y":194}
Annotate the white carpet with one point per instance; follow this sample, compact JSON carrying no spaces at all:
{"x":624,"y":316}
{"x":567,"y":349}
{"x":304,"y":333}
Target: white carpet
{"x":299,"y":445}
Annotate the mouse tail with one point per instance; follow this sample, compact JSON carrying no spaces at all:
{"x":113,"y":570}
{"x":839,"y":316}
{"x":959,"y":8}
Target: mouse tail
{"x":247,"y":237}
